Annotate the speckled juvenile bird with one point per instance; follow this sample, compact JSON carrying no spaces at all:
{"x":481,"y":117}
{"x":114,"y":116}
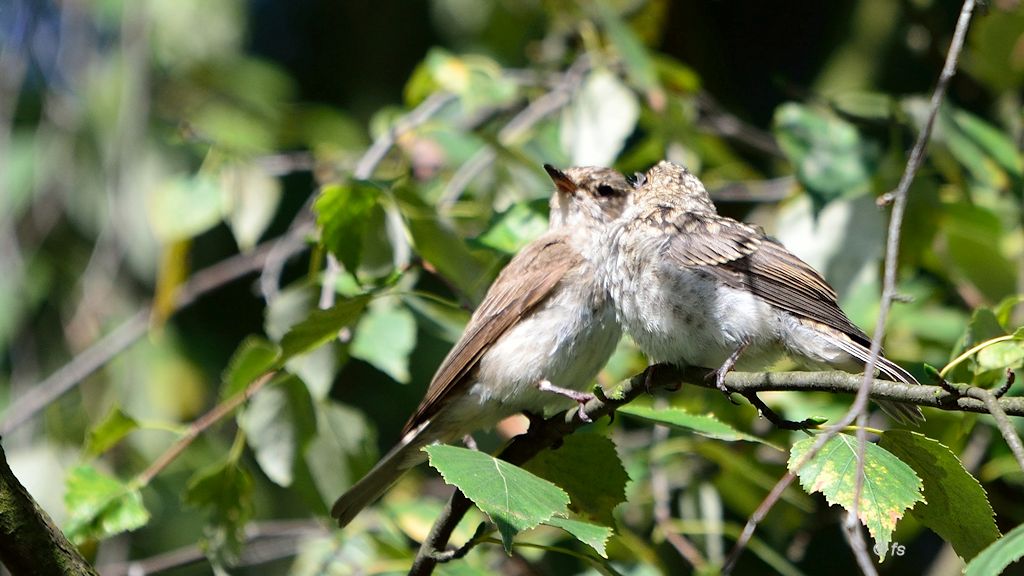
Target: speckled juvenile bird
{"x":695,"y":288}
{"x":545,"y":324}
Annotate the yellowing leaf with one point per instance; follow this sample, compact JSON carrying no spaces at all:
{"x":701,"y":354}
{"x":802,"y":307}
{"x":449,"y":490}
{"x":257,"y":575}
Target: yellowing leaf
{"x":890,"y":486}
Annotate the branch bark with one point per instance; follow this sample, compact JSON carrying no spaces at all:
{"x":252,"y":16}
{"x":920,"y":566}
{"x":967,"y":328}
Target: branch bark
{"x":30,"y":543}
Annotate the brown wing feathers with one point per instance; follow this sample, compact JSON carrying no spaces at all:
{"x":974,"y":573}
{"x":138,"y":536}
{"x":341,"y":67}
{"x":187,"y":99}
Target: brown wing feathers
{"x":524,"y":283}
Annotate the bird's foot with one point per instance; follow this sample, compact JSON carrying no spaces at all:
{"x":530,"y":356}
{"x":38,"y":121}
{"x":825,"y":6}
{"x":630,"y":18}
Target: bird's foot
{"x":580,"y":398}
{"x":719,"y":377}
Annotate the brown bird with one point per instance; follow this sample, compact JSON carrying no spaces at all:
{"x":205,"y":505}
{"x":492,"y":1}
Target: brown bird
{"x":698,"y":289}
{"x":546,"y":324}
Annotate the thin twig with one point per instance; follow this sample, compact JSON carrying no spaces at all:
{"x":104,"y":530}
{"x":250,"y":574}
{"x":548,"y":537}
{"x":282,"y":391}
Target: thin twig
{"x":888,"y":289}
{"x":1006,"y":428}
{"x":215,"y":415}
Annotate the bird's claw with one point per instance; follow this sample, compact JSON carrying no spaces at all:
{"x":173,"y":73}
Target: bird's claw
{"x":580,"y":398}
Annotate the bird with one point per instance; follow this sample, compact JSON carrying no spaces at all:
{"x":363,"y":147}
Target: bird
{"x":694,"y":288}
{"x":542,"y":332}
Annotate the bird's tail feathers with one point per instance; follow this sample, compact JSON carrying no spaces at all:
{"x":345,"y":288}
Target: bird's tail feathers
{"x":382,"y":476}
{"x":902,"y":413}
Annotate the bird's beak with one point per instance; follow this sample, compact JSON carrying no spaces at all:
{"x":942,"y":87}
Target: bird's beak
{"x":562,"y":182}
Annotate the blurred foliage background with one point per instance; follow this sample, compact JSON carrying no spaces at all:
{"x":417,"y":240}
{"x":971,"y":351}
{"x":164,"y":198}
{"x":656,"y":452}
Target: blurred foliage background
{"x":142,"y":141}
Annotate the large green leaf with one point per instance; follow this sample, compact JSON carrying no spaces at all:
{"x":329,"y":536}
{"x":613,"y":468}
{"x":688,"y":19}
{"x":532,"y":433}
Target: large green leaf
{"x":955,"y":505}
{"x":342,"y":212}
{"x":993,"y":560}
{"x":594,"y":496}
{"x":513,"y":498}
{"x":890,"y":486}
{"x":101,"y":506}
{"x":343,"y":448}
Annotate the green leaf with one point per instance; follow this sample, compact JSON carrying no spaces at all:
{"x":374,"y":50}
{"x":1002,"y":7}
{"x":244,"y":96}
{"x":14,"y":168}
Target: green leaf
{"x":224,"y":491}
{"x":590,"y":534}
{"x":101,"y":506}
{"x":705,"y":425}
{"x":114,"y":426}
{"x":570,"y":468}
{"x":322,"y":326}
{"x":829,"y":156}
{"x":342,"y":212}
{"x":995,"y":46}
{"x":514,"y":499}
{"x":254,"y":357}
{"x":890,"y":486}
{"x":602,"y":115}
{"x":276,"y":423}
{"x":993,"y":560}
{"x":955,"y":505}
{"x":384,"y":338}
{"x":1004,"y":355}
{"x":515,"y":228}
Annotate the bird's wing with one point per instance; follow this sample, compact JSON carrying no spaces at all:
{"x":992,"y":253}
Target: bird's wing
{"x":706,"y":239}
{"x":776,"y":275}
{"x":523,"y":284}
{"x":744,"y":258}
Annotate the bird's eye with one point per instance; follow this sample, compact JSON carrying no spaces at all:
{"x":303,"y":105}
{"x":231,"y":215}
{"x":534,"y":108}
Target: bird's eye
{"x":605,"y":191}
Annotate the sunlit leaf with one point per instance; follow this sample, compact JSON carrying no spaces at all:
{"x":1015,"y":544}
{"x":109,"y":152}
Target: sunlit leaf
{"x":343,"y":448}
{"x":955,"y":505}
{"x":101,"y":506}
{"x":514,"y":499}
{"x":114,"y":426}
{"x":890,"y":486}
{"x":515,"y":228}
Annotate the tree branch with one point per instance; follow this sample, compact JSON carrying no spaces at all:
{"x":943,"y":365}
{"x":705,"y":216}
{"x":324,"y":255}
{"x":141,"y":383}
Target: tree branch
{"x":545,"y":433}
{"x":30,"y":543}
